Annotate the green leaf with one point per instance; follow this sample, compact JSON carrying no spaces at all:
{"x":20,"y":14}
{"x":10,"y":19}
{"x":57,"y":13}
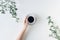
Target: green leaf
{"x":49,"y":17}
{"x":52,"y":25}
{"x":3,"y":11}
{"x":15,"y":8}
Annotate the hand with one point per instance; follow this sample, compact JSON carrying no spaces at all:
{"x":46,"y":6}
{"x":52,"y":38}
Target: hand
{"x":25,"y":22}
{"x":22,"y":33}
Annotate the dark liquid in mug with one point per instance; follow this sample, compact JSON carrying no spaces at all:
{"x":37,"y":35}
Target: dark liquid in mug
{"x":30,"y":19}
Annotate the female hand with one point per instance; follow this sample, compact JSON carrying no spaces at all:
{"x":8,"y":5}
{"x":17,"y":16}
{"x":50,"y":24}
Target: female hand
{"x":25,"y":22}
{"x":22,"y":33}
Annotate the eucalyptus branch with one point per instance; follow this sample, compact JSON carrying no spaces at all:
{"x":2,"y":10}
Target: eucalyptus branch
{"x":55,"y":31}
{"x":10,"y":6}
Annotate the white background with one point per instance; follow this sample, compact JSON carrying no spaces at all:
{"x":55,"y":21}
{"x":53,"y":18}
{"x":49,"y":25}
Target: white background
{"x":9,"y":29}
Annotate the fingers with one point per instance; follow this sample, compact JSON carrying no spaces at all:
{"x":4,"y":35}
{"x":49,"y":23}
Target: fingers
{"x":25,"y":21}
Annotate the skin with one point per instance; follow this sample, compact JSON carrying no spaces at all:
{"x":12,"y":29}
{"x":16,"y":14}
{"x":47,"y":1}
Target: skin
{"x":22,"y":33}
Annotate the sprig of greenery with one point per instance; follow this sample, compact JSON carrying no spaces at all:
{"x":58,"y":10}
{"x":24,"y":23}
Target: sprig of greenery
{"x":55,"y":31}
{"x":10,"y":6}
